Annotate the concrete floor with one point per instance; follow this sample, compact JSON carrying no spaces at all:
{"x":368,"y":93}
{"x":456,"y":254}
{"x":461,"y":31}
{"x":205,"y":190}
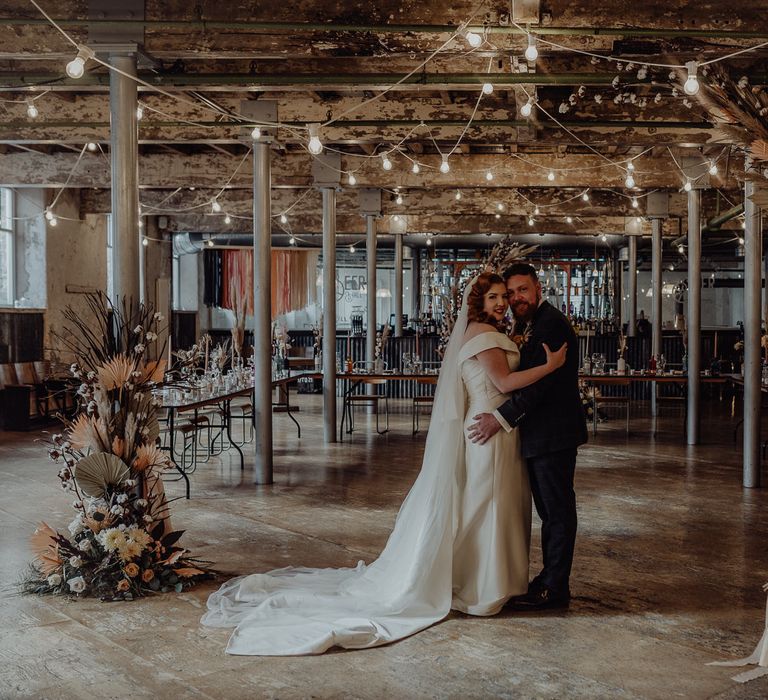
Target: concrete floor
{"x":671,"y":556}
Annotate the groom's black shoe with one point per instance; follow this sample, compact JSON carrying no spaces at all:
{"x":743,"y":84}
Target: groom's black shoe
{"x":540,"y":598}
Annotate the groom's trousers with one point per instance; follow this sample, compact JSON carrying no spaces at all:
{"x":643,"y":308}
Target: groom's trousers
{"x":551,"y":477}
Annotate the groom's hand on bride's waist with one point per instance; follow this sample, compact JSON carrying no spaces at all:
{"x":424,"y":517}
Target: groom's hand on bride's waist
{"x":485,"y":427}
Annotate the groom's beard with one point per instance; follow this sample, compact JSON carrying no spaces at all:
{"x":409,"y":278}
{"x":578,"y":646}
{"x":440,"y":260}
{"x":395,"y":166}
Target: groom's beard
{"x":525,"y":311}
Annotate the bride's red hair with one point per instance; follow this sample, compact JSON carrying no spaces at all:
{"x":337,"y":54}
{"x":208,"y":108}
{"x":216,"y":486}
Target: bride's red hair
{"x":476,"y":298}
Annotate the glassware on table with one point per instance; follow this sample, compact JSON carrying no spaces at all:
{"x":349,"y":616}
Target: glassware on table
{"x":661,"y":364}
{"x":407,"y":363}
{"x":598,"y":363}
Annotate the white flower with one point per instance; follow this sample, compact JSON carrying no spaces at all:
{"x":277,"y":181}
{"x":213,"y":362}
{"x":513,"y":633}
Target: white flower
{"x":116,"y":510}
{"x":122,"y":498}
{"x":91,"y":375}
{"x":54,"y":580}
{"x":76,"y":526}
{"x":158,"y":316}
{"x":91,"y":407}
{"x":84,"y":545}
{"x":139,"y":348}
{"x":141,"y":503}
{"x":82,"y":390}
{"x":138,"y":330}
{"x":77,"y":584}
{"x":122,"y":527}
{"x":151,"y":336}
{"x":130,"y":483}
{"x":75,"y":561}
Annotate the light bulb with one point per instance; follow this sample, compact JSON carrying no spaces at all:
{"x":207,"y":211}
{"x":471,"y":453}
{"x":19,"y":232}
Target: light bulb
{"x":458,"y":195}
{"x":630,"y":181}
{"x":32,"y":111}
{"x":744,"y":225}
{"x":314,"y":146}
{"x":399,"y":199}
{"x":530,"y":221}
{"x":681,"y":249}
{"x":630,"y":166}
{"x":48,"y":214}
{"x":635,"y":203}
{"x":145,"y":241}
{"x":141,"y":223}
{"x":283,"y":219}
{"x":210,"y":243}
{"x":227,"y":219}
{"x":639,"y":219}
{"x":75,"y":68}
{"x":352,"y":249}
{"x":91,"y":146}
{"x":585,"y":197}
{"x":741,"y":241}
{"x":569,"y":219}
{"x":395,"y":218}
{"x":139,"y":112}
{"x":386,"y":163}
{"x":500,"y":206}
{"x":352,"y":179}
{"x":489,"y":176}
{"x":53,"y":221}
{"x":536,"y":211}
{"x":444,"y":167}
{"x":687,"y":186}
{"x":691,"y":86}
{"x":497,"y":215}
{"x":256,"y":133}
{"x":292,"y":241}
{"x":604,"y":238}
{"x":551,"y":176}
{"x":215,"y":205}
{"x":713,"y":168}
{"x":531,"y":53}
{"x":526,"y":109}
{"x":487,"y":88}
{"x":473,"y":39}
{"x":415,"y":169}
{"x":429,"y":240}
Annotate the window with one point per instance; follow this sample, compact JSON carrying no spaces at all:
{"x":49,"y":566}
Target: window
{"x":7,"y":252}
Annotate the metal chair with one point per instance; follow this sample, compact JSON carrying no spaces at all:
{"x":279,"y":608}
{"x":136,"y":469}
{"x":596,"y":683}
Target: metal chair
{"x":378,"y":395}
{"x":610,"y":401}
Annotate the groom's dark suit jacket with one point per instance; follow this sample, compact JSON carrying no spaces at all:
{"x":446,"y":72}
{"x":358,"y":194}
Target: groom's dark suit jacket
{"x":549,"y":412}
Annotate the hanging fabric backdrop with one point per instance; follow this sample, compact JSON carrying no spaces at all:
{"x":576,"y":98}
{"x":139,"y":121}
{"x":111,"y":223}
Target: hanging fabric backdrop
{"x":229,"y":274}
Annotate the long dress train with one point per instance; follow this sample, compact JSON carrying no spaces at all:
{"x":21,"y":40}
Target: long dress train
{"x":460,"y":540}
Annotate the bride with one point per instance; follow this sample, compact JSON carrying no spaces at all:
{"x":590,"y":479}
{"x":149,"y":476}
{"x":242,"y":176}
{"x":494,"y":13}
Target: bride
{"x":461,"y":537}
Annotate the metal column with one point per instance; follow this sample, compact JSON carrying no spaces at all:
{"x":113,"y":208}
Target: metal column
{"x":262,"y":313}
{"x":416,"y":283}
{"x":398,"y":285}
{"x":329,"y":314}
{"x":694,"y":315}
{"x":632,"y":288}
{"x":656,"y":253}
{"x":125,"y":177}
{"x":752,"y":349}
{"x":370,"y":251}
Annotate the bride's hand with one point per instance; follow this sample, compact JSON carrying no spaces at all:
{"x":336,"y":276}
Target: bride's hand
{"x":555,"y":359}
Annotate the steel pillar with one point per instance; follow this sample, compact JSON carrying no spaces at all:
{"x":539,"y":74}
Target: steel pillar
{"x":329,"y":314}
{"x":656,"y":253}
{"x":632,"y":288}
{"x":694,"y":316}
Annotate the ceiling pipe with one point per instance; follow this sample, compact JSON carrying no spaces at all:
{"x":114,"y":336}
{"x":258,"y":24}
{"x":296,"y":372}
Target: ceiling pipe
{"x":192,"y":242}
{"x":208,"y":25}
{"x":713,"y":225}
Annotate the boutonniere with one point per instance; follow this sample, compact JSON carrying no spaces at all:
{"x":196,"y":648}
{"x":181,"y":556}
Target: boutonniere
{"x":521,"y":334}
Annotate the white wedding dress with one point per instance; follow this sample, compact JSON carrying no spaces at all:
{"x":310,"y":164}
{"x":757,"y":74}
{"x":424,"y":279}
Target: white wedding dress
{"x":460,"y":540}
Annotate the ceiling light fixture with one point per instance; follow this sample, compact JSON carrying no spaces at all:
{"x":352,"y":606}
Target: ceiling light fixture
{"x":76,"y":67}
{"x":527,"y":108}
{"x":551,"y":176}
{"x":283,"y":219}
{"x":215,"y":205}
{"x":629,"y":181}
{"x":691,"y":86}
{"x":352,"y":180}
{"x":314,"y":146}
{"x":585,"y":197}
{"x":415,"y":169}
{"x":489,"y":176}
{"x":473,"y":39}
{"x":227,"y":219}
{"x":458,"y":195}
{"x":531,"y":52}
{"x":139,"y":112}
{"x":487,"y":88}
{"x":256,"y":133}
{"x":444,"y":167}
{"x":386,"y":163}
{"x":32,"y":111}
{"x":399,"y":198}
{"x":688,"y":186}
{"x":91,"y":146}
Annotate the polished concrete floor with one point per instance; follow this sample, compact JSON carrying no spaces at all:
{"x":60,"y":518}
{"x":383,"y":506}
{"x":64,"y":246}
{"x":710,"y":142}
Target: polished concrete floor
{"x":671,"y":556}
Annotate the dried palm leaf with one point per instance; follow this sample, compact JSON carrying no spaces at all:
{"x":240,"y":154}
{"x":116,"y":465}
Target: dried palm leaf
{"x":45,"y":548}
{"x":116,"y":373}
{"x":153,"y":371}
{"x":83,"y":434}
{"x":97,"y":472}
{"x":188,"y":572}
{"x":149,"y":456}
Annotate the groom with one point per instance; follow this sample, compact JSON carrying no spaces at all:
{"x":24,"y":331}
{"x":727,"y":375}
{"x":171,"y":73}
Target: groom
{"x":552,"y":426}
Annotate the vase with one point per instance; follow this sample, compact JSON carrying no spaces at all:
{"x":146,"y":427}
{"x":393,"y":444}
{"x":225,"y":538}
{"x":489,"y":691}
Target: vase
{"x":621,"y":366}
